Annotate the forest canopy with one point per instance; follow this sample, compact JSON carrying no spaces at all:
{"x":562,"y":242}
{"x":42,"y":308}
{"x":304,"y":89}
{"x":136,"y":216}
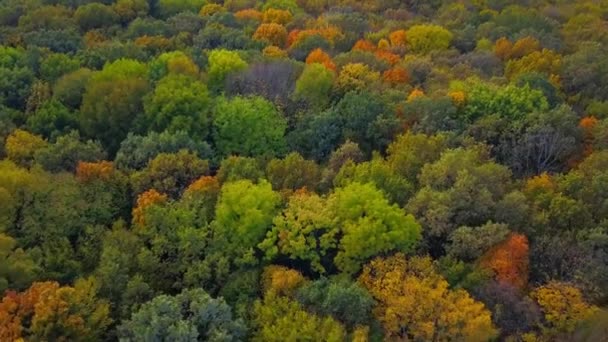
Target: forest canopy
{"x":303,"y":170}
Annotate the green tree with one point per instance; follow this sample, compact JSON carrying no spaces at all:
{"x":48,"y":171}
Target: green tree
{"x":279,"y":319}
{"x":112,"y":101}
{"x":243,"y":215}
{"x":221,"y":64}
{"x":56,"y":65}
{"x":17,"y":269}
{"x":192,"y":315}
{"x":426,"y":38}
{"x":52,"y":119}
{"x":65,"y":153}
{"x":315,"y":84}
{"x":249,"y":127}
{"x":178,"y":103}
{"x":70,"y":88}
{"x":369,"y":225}
{"x":167,"y":8}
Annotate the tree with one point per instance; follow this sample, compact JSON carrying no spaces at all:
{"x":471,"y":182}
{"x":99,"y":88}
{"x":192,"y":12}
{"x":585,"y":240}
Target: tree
{"x":304,"y":231}
{"x":70,"y":88}
{"x":355,"y":77}
{"x":47,"y":311}
{"x":248,"y":127}
{"x":243,"y":215}
{"x":281,"y":280}
{"x":17,"y":268}
{"x":271,"y":33}
{"x":21,"y":146}
{"x":127,"y":10}
{"x":470,"y":243}
{"x":410,"y":152}
{"x":377,"y":171}
{"x":368,"y":225}
{"x":52,"y":119}
{"x":279,"y":319}
{"x":235,"y":168}
{"x":321,"y":57}
{"x":192,"y":315}
{"x":67,"y":151}
{"x":170,"y":173}
{"x":178,"y":103}
{"x":346,"y":301}
{"x":509,"y":260}
{"x":414,"y":302}
{"x":292,"y":173}
{"x":56,"y":65}
{"x":112,"y":101}
{"x":167,"y":8}
{"x":135,"y":151}
{"x":221,"y":64}
{"x":563,"y":306}
{"x":426,"y":38}
{"x":95,"y":15}
{"x":314,"y":85}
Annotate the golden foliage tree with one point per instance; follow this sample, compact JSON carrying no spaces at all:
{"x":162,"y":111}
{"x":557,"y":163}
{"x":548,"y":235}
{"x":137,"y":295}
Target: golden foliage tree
{"x":415,"y":303}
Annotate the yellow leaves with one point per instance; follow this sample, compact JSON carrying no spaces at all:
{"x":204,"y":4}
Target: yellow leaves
{"x":414,"y":302}
{"x":274,"y":52}
{"x":22,"y":145}
{"x":415,"y":94}
{"x":539,"y":184}
{"x":211,"y":9}
{"x":281,"y":280}
{"x":356,"y":76}
{"x":277,"y":16}
{"x":563,"y":306}
{"x":458,"y":97}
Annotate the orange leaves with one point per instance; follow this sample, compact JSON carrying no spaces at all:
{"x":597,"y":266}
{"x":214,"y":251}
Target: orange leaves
{"x":398,"y":38}
{"x":329,"y":33}
{"x":274,"y":34}
{"x":396,"y":75}
{"x":458,"y":97}
{"x":145,"y":200}
{"x":388,"y":56}
{"x":509,"y":260}
{"x":249,"y":14}
{"x":505,"y":49}
{"x":319,"y":56}
{"x":364,"y":45}
{"x":203,"y":184}
{"x":47,"y":311}
{"x":86,"y":172}
{"x":587,"y":124}
{"x":502,"y":48}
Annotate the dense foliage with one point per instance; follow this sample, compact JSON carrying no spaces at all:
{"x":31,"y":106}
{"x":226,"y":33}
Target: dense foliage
{"x":303,"y":170}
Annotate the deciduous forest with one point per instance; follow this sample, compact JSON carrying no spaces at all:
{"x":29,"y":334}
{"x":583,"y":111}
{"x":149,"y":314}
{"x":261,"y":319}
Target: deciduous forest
{"x":304,"y":170}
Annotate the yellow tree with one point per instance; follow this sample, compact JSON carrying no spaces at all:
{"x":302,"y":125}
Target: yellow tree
{"x":415,"y":303}
{"x":563,"y":306}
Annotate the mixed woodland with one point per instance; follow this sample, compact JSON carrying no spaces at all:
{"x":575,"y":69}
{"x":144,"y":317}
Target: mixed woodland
{"x":304,"y":170}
